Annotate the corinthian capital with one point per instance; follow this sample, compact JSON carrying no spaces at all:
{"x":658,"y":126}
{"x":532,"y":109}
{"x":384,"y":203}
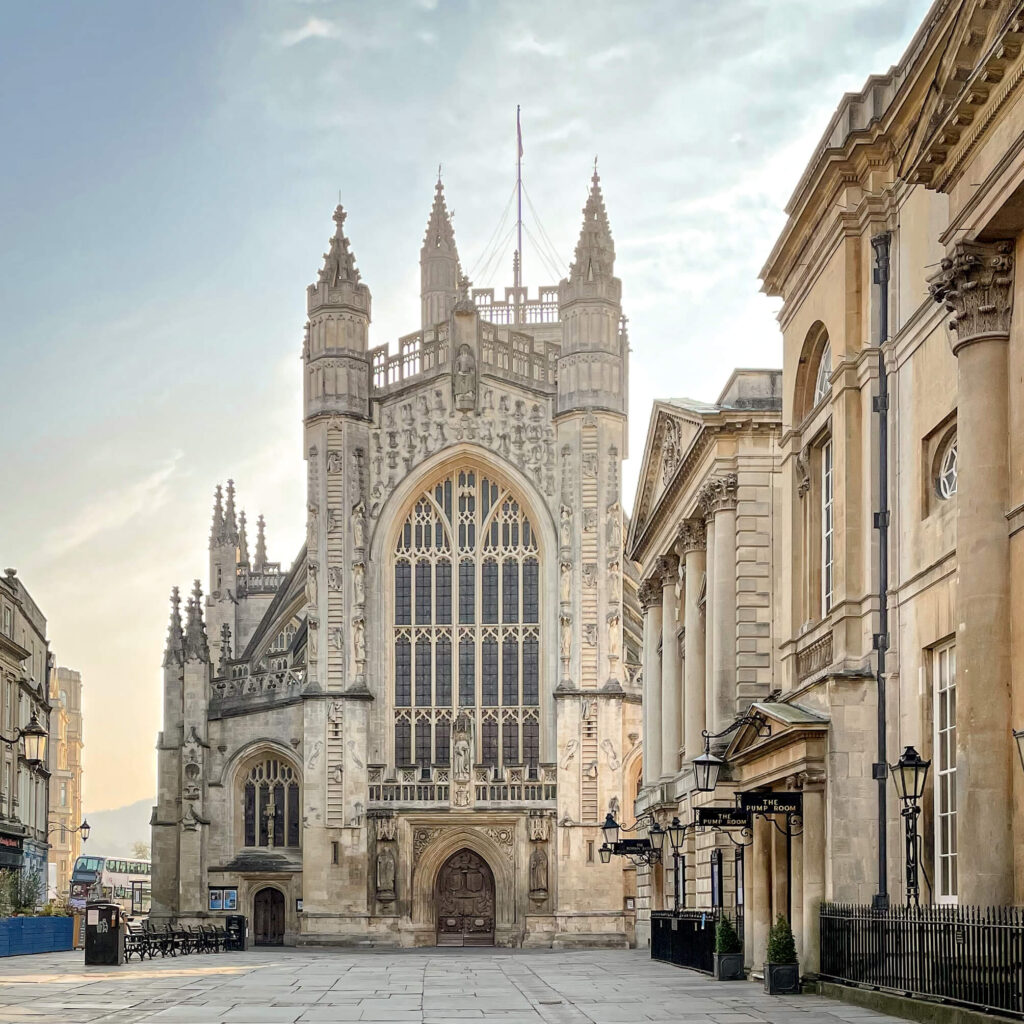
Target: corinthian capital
{"x":692,"y":536}
{"x":718,"y":495}
{"x":666,"y":569}
{"x":649,"y":593}
{"x":975,"y":284}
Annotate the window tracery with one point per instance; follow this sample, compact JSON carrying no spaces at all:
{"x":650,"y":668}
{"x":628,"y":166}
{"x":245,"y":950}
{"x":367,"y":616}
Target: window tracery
{"x":945,"y":482}
{"x":466,"y":632}
{"x":271,"y":805}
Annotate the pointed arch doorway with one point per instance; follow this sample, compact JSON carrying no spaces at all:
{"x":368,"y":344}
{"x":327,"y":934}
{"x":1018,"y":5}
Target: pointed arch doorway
{"x":464,"y":899}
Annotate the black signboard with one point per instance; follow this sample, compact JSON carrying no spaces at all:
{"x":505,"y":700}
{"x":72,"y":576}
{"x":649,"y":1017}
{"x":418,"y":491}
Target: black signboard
{"x":625,"y":847}
{"x":722,"y":817}
{"x":772,"y":803}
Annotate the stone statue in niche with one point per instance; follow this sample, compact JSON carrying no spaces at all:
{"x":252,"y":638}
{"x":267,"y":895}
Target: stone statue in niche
{"x":464,"y":385}
{"x":335,"y":461}
{"x":386,"y":874}
{"x":614,"y":635}
{"x":566,"y":639}
{"x":590,"y":464}
{"x":313,"y":640}
{"x":359,"y":582}
{"x":589,"y":575}
{"x":462,"y":752}
{"x":566,"y":528}
{"x":614,"y":528}
{"x":312,"y":527}
{"x":613,"y":579}
{"x":359,"y":638}
{"x":338,"y":638}
{"x":589,"y":520}
{"x":335,"y":578}
{"x":565,"y":592}
{"x":359,"y":524}
{"x":590,"y":634}
{"x":335,"y":711}
{"x":538,"y":873}
{"x":311,"y":588}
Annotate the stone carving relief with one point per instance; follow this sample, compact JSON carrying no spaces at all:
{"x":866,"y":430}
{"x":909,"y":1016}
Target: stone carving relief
{"x":538,"y":873}
{"x":502,"y":835}
{"x":359,"y":583}
{"x":589,"y":520}
{"x":802,"y":470}
{"x":192,"y":768}
{"x":387,"y":829}
{"x":590,"y":634}
{"x":718,"y":494}
{"x":359,"y":525}
{"x":334,"y":520}
{"x":312,"y":527}
{"x":312,"y":641}
{"x":335,"y":712}
{"x":589,"y":463}
{"x":335,"y":461}
{"x":570,"y":752}
{"x":613,"y":529}
{"x":311,"y":587}
{"x":539,"y":828}
{"x":421,"y":839}
{"x":609,"y":751}
{"x":311,"y":476}
{"x":589,"y":575}
{"x":314,"y":756}
{"x":462,"y":749}
{"x":359,"y":641}
{"x":565,"y":528}
{"x":338,"y":638}
{"x":565,"y":644}
{"x":386,"y":874}
{"x":565,"y":583}
{"x":692,"y":536}
{"x":614,"y":635}
{"x":335,"y":578}
{"x":671,"y":450}
{"x":464,"y":380}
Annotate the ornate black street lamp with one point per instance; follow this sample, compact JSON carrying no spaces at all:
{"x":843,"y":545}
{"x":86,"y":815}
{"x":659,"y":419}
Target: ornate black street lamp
{"x":35,"y":738}
{"x":85,"y":828}
{"x":909,"y":774}
{"x":707,"y":767}
{"x":639,"y":851}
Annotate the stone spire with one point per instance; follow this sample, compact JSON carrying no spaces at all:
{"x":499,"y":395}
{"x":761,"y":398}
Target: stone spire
{"x":339,"y":261}
{"x":441,"y":276}
{"x":243,"y":540}
{"x":230,"y":523}
{"x":173,"y":653}
{"x":217,"y":530}
{"x":259,"y":563}
{"x":196,"y":645}
{"x":595,"y":250}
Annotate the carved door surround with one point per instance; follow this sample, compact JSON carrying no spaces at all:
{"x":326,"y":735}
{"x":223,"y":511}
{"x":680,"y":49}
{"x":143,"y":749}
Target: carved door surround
{"x":465,"y":900}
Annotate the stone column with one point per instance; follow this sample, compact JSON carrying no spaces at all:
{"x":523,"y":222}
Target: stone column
{"x":671,"y":676}
{"x":975,"y":283}
{"x":759,"y":894}
{"x":650,"y":599}
{"x":719,"y":503}
{"x":691,"y":548}
{"x":709,"y":621}
{"x":812,"y":842}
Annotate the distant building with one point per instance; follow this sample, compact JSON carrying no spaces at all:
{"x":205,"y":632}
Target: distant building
{"x":24,"y":674}
{"x":66,"y":781}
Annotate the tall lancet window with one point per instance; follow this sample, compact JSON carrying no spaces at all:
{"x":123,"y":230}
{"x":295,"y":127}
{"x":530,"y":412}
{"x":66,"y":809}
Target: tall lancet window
{"x":466,"y":589}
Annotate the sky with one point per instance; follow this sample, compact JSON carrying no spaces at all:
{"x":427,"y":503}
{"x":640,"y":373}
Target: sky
{"x":167,"y":179}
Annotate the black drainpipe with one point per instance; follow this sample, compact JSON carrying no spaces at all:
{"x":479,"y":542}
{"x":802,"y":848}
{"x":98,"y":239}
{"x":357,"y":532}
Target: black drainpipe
{"x":880,"y":404}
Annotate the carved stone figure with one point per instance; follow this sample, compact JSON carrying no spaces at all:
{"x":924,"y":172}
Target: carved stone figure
{"x":613,"y":529}
{"x":335,"y":578}
{"x":313,"y":640}
{"x":333,"y":520}
{"x":590,"y":634}
{"x":570,"y":752}
{"x":614,"y":635}
{"x":566,"y":530}
{"x":538,"y":828}
{"x":386,"y":874}
{"x":538,"y":872}
{"x":387,"y":829}
{"x":338,"y":638}
{"x":589,"y":575}
{"x":613,"y":758}
{"x":311,"y":588}
{"x":359,"y":638}
{"x":335,"y":461}
{"x":566,"y":583}
{"x":566,"y":637}
{"x":312,"y":527}
{"x":359,"y":524}
{"x":314,"y":755}
{"x":462,"y":760}
{"x":335,"y":711}
{"x":464,"y":386}
{"x":589,"y":520}
{"x":359,"y":583}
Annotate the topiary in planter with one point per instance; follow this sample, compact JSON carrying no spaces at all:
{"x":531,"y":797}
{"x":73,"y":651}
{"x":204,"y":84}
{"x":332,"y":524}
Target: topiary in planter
{"x":781,"y":970}
{"x":728,"y":952}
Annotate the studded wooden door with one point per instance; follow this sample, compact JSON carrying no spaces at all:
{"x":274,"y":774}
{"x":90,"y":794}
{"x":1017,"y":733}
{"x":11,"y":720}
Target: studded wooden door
{"x":465,"y":901}
{"x":268,"y":917}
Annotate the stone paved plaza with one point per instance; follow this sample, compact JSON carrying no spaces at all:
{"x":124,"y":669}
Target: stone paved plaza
{"x":427,"y":987}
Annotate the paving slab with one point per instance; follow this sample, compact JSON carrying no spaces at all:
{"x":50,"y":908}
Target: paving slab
{"x":449,"y":986}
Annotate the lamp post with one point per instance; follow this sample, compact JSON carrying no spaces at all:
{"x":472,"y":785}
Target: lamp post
{"x":639,"y":851}
{"x":676,"y":835}
{"x":909,"y":774}
{"x":707,"y":767}
{"x":85,"y":828}
{"x":35,"y":738}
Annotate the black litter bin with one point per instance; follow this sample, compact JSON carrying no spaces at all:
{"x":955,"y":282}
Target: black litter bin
{"x":238,"y":932}
{"x":104,"y":933}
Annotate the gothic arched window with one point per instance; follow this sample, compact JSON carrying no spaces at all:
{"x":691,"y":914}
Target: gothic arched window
{"x":466,"y":631}
{"x":271,"y":805}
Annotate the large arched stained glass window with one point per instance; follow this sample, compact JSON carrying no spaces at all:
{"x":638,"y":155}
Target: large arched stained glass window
{"x":270,"y":795}
{"x":466,"y":632}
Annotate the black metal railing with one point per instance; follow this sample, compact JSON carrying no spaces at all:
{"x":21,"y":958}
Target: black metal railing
{"x":685,"y":938}
{"x":971,"y":956}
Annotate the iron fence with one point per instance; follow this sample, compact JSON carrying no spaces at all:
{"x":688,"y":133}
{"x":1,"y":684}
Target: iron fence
{"x":685,"y":938}
{"x":971,"y":956}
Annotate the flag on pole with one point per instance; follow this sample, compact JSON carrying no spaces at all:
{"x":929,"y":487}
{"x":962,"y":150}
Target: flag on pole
{"x":519,"y":133}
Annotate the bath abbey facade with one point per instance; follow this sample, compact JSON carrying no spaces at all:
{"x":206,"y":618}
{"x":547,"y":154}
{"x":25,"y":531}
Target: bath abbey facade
{"x":412,"y":736}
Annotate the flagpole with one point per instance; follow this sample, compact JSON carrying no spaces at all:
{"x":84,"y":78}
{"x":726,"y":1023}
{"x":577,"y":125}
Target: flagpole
{"x":518,"y":269}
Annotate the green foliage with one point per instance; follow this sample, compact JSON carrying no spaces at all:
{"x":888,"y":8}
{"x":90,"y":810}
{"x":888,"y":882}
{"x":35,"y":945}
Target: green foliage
{"x":21,"y":892}
{"x":726,"y":939}
{"x":56,"y":908}
{"x":781,"y":945}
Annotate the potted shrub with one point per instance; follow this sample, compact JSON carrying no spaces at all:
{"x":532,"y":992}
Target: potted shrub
{"x":781,"y":970}
{"x":728,"y":952}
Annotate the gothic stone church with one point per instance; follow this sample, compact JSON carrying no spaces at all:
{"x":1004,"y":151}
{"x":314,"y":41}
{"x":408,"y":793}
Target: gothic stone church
{"x":413,"y":736}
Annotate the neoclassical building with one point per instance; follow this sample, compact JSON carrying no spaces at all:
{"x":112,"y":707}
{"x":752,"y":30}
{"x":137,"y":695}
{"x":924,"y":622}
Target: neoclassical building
{"x":413,"y":734}
{"x":705,"y":535}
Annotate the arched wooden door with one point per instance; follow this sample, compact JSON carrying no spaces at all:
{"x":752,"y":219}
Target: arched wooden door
{"x":268,"y":917}
{"x":464,"y":897}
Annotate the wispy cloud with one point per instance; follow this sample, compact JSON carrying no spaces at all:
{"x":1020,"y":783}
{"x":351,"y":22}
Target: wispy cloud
{"x":529,"y":43}
{"x":315,"y":28}
{"x":604,"y":57}
{"x":116,"y":508}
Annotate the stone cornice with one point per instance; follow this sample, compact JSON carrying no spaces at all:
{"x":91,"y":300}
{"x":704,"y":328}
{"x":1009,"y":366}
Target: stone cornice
{"x":975,"y":284}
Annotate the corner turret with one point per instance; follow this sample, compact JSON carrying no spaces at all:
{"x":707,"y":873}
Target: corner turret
{"x":592,"y":369}
{"x":337,"y":333}
{"x":440,"y":272}
{"x":196,"y":646}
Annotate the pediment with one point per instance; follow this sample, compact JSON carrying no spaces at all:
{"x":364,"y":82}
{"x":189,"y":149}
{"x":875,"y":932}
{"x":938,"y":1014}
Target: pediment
{"x":670,"y":435}
{"x":974,"y":73}
{"x":777,"y":719}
